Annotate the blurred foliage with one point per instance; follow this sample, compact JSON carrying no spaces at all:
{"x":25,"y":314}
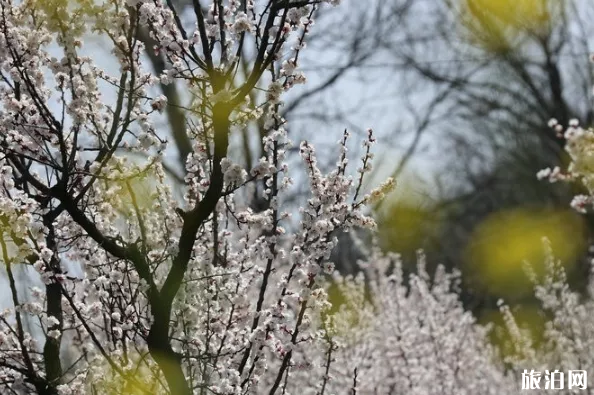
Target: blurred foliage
{"x":347,"y":304}
{"x":528,"y":316}
{"x":141,"y":376}
{"x":499,"y":25}
{"x":68,"y":15}
{"x":504,"y":241}
{"x":406,"y":220}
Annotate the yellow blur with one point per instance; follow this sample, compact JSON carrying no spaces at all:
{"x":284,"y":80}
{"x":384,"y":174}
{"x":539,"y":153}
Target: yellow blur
{"x":502,"y":244}
{"x":500,"y":25}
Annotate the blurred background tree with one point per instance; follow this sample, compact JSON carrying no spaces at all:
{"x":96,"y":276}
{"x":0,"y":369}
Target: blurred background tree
{"x":500,"y":70}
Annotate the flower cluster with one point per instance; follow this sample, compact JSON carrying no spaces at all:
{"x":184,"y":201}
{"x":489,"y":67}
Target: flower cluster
{"x":579,"y":144}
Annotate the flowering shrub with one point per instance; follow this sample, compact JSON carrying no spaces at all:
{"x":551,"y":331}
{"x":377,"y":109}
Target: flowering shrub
{"x":567,"y":342}
{"x":412,"y":335}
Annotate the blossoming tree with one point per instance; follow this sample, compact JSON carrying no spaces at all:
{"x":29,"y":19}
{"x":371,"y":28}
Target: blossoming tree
{"x":194,"y":296}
